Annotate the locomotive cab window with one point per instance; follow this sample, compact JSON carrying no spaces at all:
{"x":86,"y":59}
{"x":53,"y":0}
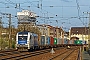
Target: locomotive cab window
{"x":22,"y":38}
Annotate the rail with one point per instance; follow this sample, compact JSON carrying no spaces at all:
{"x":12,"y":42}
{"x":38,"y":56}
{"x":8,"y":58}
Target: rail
{"x":23,"y":55}
{"x":69,"y":52}
{"x":68,"y":55}
{"x":78,"y":58}
{"x":58,"y":55}
{"x":8,"y":50}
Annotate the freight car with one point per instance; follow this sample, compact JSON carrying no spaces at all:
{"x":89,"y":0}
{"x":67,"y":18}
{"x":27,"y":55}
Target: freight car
{"x":48,"y":41}
{"x":26,"y":41}
{"x":77,"y":41}
{"x":44,"y":41}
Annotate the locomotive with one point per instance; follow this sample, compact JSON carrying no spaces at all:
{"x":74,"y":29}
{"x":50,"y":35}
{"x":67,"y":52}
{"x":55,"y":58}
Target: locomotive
{"x":26,"y":40}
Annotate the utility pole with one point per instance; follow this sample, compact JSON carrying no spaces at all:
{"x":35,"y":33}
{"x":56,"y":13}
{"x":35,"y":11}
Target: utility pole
{"x":88,"y":30}
{"x":9,"y":16}
{"x":1,"y":32}
{"x":41,"y":4}
{"x":9,"y":30}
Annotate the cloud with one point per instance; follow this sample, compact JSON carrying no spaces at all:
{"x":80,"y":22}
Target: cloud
{"x":66,"y":0}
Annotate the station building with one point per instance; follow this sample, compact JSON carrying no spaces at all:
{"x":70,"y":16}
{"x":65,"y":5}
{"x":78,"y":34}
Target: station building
{"x":82,"y":33}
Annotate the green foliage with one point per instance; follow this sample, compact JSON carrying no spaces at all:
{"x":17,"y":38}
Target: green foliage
{"x":13,"y":43}
{"x":3,"y":43}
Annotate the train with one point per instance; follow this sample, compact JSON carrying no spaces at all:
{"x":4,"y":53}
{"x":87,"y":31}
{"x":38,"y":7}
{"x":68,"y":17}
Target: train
{"x":29,"y":41}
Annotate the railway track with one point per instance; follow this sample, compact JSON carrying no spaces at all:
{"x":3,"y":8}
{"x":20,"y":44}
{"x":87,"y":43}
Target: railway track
{"x":48,"y":56}
{"x":8,"y":50}
{"x":6,"y":55}
{"x":40,"y":55}
{"x":21,"y":55}
{"x":71,"y":54}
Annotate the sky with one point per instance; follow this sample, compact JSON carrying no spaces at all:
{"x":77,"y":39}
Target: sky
{"x":61,"y":13}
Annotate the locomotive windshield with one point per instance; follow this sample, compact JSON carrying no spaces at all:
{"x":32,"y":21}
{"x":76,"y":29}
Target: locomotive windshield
{"x":22,"y":37}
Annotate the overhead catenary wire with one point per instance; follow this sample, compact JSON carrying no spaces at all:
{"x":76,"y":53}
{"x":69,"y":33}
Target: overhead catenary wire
{"x":13,"y":4}
{"x":10,"y":2}
{"x":78,"y":8}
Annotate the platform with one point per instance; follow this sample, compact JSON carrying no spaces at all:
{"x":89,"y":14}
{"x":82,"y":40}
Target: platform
{"x":85,"y":55}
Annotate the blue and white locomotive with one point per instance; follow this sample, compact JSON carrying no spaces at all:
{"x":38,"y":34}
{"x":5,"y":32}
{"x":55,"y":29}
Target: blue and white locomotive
{"x":26,"y":41}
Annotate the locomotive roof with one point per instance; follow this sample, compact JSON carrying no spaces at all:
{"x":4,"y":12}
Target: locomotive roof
{"x":35,"y":34}
{"x":26,"y":32}
{"x":22,"y":32}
